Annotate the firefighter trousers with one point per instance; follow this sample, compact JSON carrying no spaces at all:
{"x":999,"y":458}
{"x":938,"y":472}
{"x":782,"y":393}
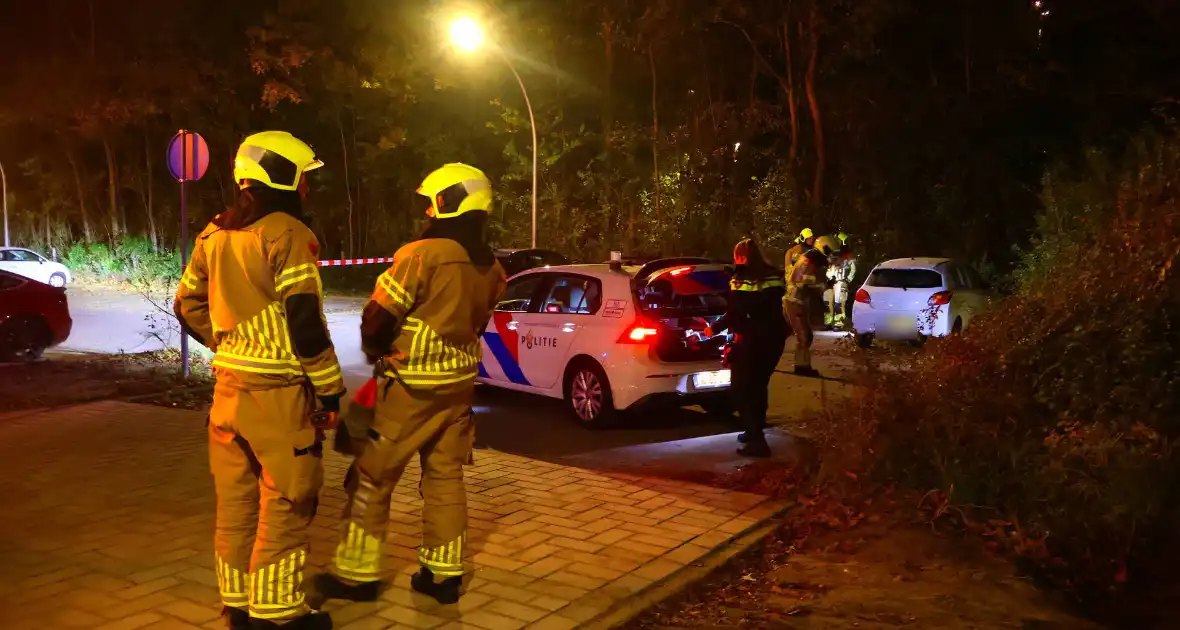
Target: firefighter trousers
{"x":838,"y":302}
{"x":267,"y":468}
{"x":798,"y":316}
{"x":751,"y":366}
{"x":438,"y":425}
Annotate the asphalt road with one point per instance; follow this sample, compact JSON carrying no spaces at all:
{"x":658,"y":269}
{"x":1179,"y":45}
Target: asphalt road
{"x":681,"y":439}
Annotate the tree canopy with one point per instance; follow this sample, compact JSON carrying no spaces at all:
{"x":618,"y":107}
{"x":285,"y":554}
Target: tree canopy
{"x":665,"y":126}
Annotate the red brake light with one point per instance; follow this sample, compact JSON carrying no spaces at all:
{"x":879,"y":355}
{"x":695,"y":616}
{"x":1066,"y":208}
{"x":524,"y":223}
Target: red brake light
{"x":940,"y":298}
{"x":641,"y":331}
{"x":863,"y":297}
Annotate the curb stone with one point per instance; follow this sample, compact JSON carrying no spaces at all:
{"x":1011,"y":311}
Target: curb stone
{"x":690,"y":574}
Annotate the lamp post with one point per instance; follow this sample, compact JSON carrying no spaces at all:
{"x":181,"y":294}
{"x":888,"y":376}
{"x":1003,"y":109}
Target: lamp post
{"x":467,"y":36}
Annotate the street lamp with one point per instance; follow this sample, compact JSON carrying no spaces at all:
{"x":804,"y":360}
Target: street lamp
{"x":467,"y":36}
{"x":4,"y":196}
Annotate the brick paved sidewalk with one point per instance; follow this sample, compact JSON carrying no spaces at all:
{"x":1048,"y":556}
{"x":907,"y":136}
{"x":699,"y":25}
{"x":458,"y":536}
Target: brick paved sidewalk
{"x":108,"y":510}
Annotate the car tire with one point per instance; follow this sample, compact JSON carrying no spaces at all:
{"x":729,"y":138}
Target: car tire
{"x":865,"y":340}
{"x":588,"y":395}
{"x":58,"y":280}
{"x":23,"y":339}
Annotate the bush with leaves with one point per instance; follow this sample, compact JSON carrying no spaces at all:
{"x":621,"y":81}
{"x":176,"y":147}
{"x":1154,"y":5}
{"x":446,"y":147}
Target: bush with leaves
{"x":1055,"y":419}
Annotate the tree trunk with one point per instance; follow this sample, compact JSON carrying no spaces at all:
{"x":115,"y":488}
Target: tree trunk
{"x":608,"y":94}
{"x":87,"y":233}
{"x":347,"y":183}
{"x":817,"y":187}
{"x":149,"y":201}
{"x":655,"y":130}
{"x":112,"y":190}
{"x":361,"y":210}
{"x":792,"y":102}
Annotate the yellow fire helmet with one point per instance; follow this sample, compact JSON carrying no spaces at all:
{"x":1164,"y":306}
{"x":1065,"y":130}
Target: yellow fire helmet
{"x":827,"y":245}
{"x":804,"y":234}
{"x":455,"y":189}
{"x":275,"y":159}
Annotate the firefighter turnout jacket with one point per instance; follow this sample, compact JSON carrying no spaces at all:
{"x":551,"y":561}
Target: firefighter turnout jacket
{"x":252,"y":294}
{"x":426,"y":314}
{"x":805,"y":280}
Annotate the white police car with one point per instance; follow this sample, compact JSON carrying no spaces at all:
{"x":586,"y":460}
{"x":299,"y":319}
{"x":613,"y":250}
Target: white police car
{"x":608,"y":337}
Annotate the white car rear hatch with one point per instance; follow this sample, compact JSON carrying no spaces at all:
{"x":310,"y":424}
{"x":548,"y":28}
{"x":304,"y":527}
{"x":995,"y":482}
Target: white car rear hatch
{"x":902,"y":289}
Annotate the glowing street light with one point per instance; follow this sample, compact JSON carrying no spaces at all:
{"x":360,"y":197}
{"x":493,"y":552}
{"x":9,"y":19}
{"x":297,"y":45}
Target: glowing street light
{"x":467,"y":36}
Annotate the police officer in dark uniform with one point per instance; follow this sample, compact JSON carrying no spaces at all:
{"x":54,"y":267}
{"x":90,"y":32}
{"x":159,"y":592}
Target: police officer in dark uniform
{"x":755,"y":319}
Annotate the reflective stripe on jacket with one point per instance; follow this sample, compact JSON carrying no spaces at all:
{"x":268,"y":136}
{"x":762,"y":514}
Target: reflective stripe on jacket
{"x":439,"y":302}
{"x":253,"y":296}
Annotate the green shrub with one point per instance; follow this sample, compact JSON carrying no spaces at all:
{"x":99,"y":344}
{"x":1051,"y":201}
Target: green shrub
{"x":130,"y":260}
{"x":1057,"y":415}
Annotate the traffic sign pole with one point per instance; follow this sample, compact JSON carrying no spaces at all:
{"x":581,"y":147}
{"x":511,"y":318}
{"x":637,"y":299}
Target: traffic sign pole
{"x":187,"y":161}
{"x":185,"y":367}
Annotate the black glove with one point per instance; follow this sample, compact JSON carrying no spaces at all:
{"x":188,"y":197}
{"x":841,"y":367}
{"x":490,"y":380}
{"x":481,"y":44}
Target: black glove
{"x":330,"y":403}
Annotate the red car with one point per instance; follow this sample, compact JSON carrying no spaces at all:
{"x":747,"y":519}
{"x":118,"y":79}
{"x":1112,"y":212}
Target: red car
{"x":33,"y":317}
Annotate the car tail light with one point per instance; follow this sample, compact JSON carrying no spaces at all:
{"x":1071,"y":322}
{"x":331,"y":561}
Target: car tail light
{"x":863,"y":297}
{"x":642,"y":331}
{"x":940,"y":298}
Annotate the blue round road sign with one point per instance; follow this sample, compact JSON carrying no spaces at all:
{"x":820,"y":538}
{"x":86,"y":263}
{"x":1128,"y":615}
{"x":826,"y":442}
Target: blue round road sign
{"x":188,"y":156}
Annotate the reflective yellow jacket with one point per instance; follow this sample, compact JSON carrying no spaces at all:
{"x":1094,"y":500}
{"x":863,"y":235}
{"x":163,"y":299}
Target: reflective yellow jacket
{"x":252,"y":294}
{"x":806,"y":279}
{"x":427,"y":311}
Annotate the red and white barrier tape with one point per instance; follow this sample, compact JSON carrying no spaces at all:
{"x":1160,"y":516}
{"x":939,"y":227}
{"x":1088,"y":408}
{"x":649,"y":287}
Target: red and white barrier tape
{"x":352,"y":261}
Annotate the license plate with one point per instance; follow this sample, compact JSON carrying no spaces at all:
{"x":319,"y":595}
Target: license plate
{"x":706,"y":380}
{"x":902,"y":324}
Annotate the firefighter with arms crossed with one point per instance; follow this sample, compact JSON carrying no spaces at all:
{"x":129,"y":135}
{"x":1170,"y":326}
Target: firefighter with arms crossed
{"x":422,"y":327}
{"x":754,"y":315}
{"x":252,"y":294}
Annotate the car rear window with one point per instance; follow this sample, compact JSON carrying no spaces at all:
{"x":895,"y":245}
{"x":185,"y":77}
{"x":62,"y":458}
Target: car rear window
{"x":905,"y":278}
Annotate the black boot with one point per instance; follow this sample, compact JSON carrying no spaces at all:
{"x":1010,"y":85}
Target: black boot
{"x":328,"y":586}
{"x":744,"y":437}
{"x":756,"y":446}
{"x":806,"y":370}
{"x":446,"y":592}
{"x":236,"y":618}
{"x":310,"y":621}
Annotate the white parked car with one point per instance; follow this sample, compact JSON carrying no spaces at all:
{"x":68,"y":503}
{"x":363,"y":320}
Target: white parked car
{"x":30,"y":264}
{"x":911,"y":299}
{"x":610,"y":337}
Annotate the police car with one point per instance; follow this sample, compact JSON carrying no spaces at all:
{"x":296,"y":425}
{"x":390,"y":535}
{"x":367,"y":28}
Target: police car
{"x":609,"y":337}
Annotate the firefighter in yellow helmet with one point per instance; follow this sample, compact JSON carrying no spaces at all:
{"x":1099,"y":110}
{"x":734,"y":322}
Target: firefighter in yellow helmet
{"x":252,"y":295}
{"x":806,"y":282}
{"x":754,"y":316}
{"x":803,"y":242}
{"x":422,"y":327}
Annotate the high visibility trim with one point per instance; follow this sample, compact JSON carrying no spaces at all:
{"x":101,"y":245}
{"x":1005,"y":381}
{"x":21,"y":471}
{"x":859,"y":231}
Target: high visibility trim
{"x":231,"y":583}
{"x":358,"y":556}
{"x":276,"y":590}
{"x":409,"y":379}
{"x":298,"y":273}
{"x":386,"y":283}
{"x":755,"y":285}
{"x":326,"y":376}
{"x":445,"y":560}
{"x":189,"y":280}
